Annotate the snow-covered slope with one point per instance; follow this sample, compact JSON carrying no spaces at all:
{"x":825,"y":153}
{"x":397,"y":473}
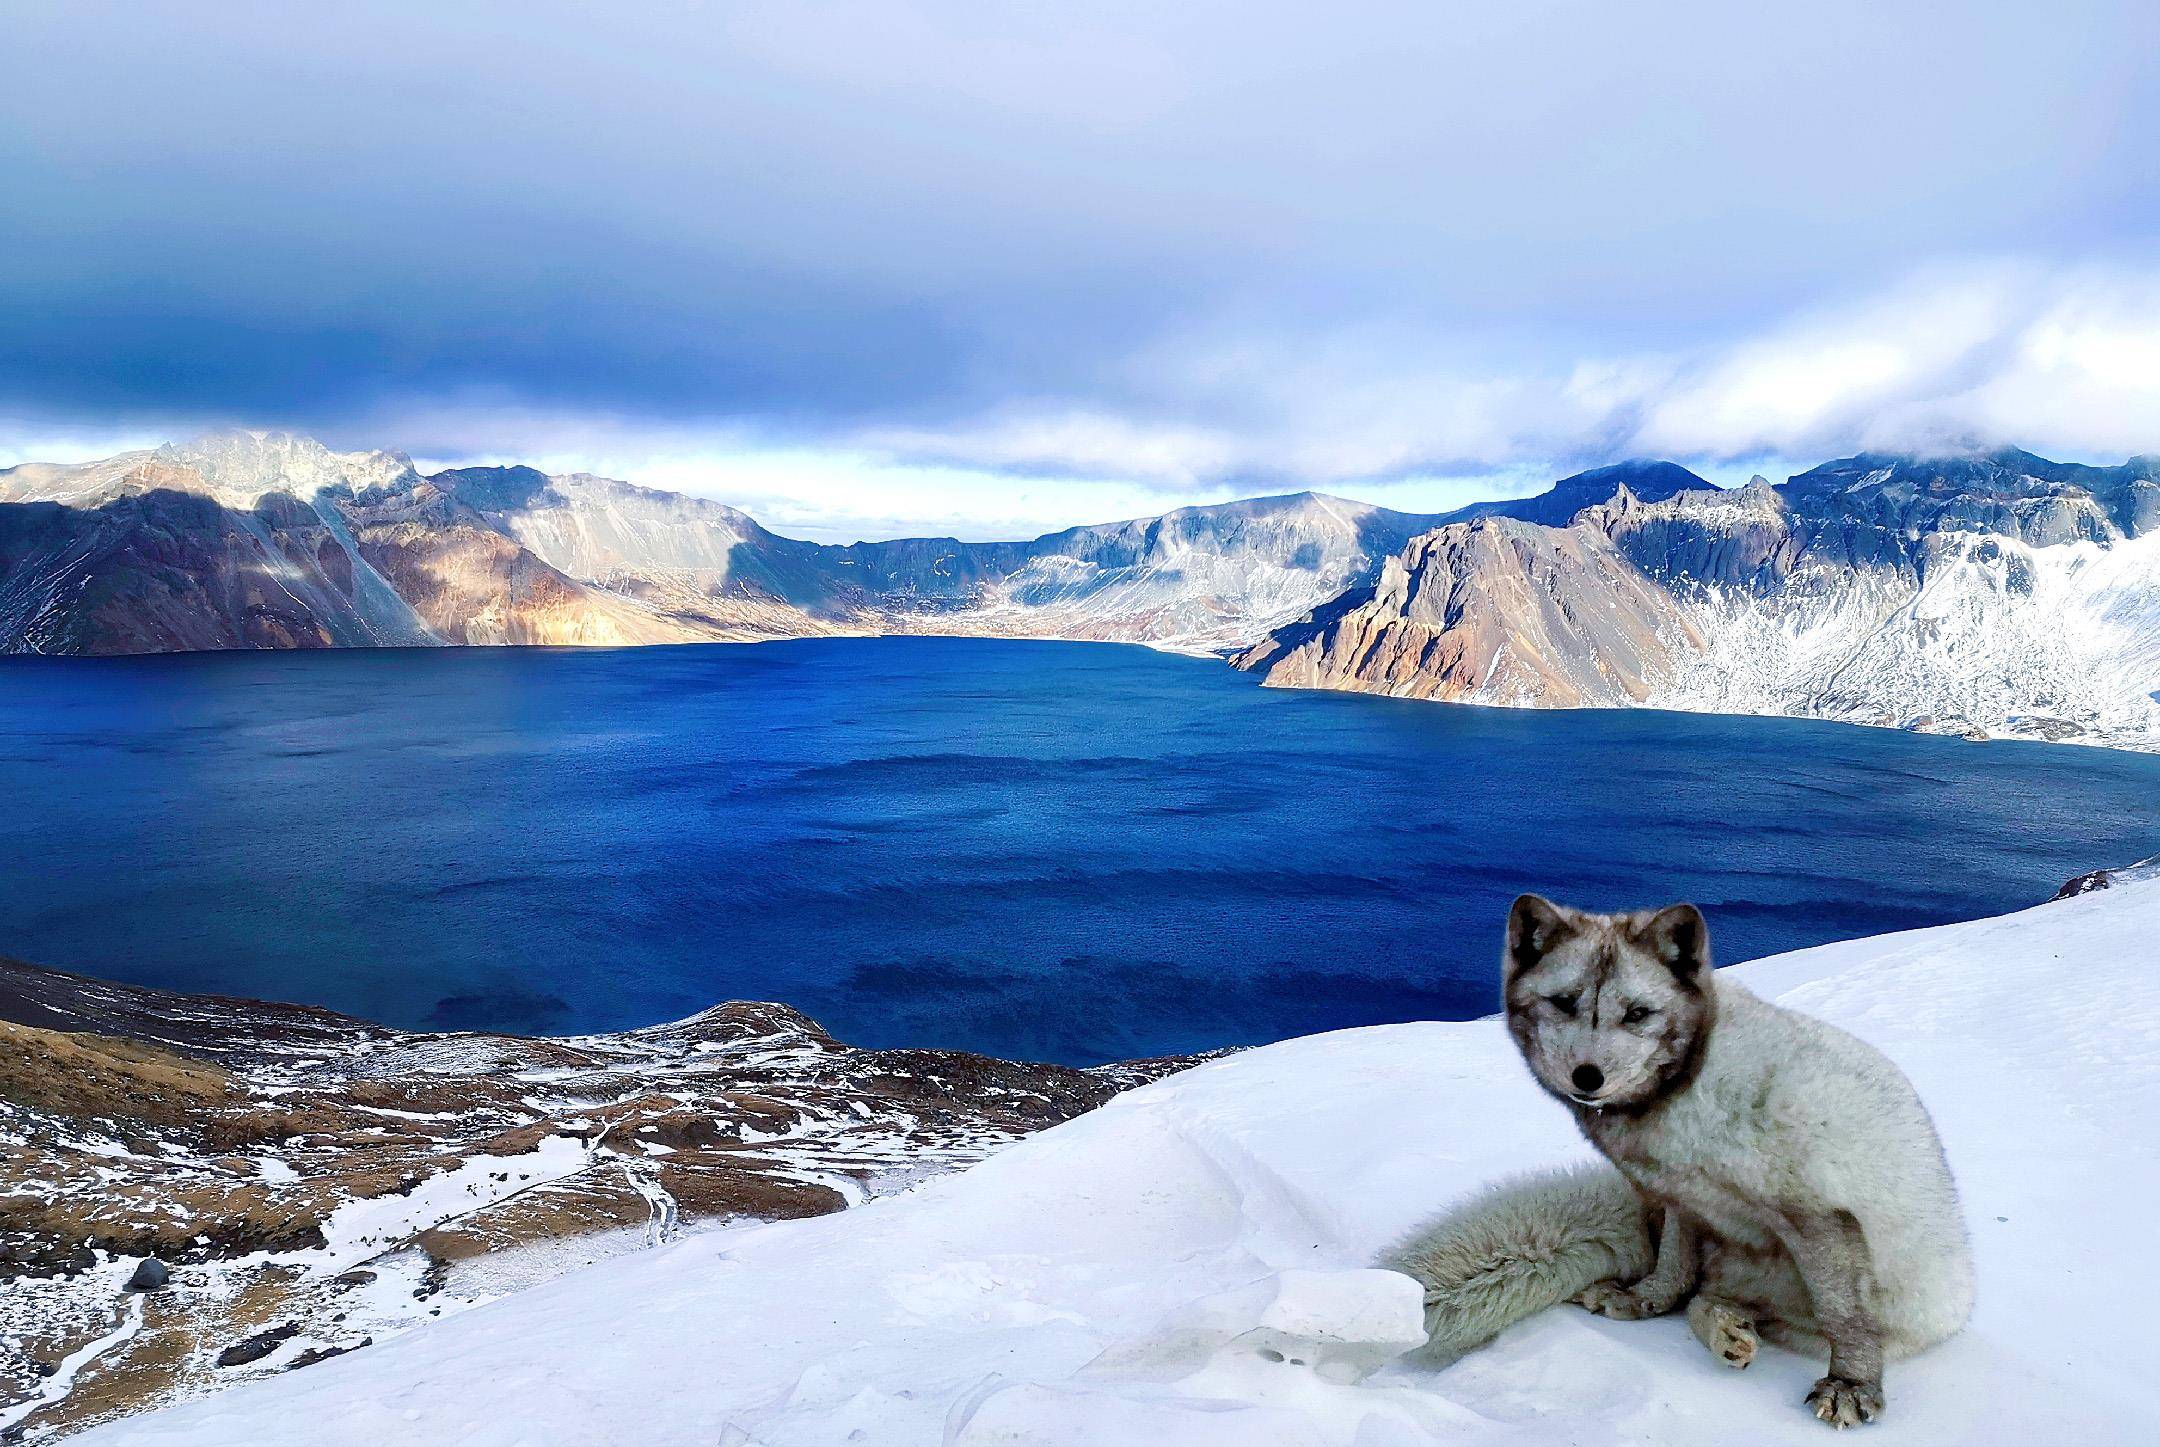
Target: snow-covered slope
{"x":313,"y":1182}
{"x":1185,"y":1266}
{"x":1997,"y":637}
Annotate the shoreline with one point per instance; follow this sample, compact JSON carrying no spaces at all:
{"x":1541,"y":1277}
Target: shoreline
{"x":1958,"y":729}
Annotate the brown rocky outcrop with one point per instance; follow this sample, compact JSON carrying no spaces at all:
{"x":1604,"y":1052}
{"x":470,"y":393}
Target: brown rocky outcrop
{"x":1493,"y":610}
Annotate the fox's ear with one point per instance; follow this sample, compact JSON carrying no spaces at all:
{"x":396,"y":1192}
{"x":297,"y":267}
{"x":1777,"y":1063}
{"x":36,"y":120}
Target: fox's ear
{"x":1680,"y":937}
{"x":1534,"y":926}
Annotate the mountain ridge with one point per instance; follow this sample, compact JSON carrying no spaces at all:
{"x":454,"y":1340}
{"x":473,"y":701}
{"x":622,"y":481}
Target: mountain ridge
{"x":1989,"y":591}
{"x":637,"y":564}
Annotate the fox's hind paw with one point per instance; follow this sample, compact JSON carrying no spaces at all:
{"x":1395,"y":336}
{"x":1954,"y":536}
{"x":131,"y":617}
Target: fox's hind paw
{"x":1845,"y":1403}
{"x":1621,"y":1303}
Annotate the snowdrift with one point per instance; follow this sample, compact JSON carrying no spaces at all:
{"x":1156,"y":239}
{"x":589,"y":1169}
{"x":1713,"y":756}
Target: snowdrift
{"x":1187,"y":1265}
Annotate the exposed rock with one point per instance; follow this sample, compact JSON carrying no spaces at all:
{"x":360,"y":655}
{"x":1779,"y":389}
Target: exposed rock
{"x":2084,"y":883}
{"x":1201,"y":576}
{"x":258,"y":1346}
{"x":150,"y":1275}
{"x":1992,"y":594}
{"x":1495,"y":609}
{"x":313,"y":1355}
{"x":1566,"y":499}
{"x":2107,"y":878}
{"x":254,"y":540}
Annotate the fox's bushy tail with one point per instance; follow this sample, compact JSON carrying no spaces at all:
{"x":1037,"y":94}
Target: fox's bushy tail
{"x":1519,"y":1247}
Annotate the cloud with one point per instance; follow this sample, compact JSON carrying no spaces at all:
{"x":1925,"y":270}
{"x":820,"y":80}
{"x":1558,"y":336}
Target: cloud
{"x":2007,"y":353}
{"x":1071,"y":442}
{"x":1106,"y":259}
{"x":2064,"y":360}
{"x":2082,"y":373}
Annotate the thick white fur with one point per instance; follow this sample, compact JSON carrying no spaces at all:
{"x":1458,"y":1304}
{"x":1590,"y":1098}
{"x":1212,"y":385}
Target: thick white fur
{"x":1786,"y":1115}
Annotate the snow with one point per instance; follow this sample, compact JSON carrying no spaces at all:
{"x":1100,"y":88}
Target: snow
{"x":1133,"y":1276}
{"x":2002,"y":638}
{"x":362,"y":1228}
{"x":112,"y":1273}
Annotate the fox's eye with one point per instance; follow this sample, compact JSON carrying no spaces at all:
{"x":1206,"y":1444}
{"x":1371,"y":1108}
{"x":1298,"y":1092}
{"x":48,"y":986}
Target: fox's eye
{"x":1565,"y":1004}
{"x":1636,"y":1014}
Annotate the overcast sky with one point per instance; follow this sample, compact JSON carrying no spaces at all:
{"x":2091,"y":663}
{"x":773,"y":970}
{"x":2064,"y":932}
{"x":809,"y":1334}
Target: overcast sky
{"x":911,"y":266}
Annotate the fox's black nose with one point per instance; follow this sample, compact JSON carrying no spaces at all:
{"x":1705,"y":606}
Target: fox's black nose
{"x":1588,"y":1078}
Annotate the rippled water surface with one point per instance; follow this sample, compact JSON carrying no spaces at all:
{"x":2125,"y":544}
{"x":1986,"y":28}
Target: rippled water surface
{"x":1069,"y":851}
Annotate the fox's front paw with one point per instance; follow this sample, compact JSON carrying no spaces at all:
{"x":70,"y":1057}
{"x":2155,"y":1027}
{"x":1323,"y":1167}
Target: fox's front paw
{"x":1622,"y":1303}
{"x":1725,"y":1329}
{"x":1843,"y":1403}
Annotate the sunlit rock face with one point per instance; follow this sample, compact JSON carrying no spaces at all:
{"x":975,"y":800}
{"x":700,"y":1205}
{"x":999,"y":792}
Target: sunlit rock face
{"x":251,"y":540}
{"x":1201,"y":577}
{"x":1496,"y":610}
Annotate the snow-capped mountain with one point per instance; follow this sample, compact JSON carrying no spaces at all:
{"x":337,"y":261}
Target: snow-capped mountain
{"x":2001,"y":594}
{"x":1190,"y":1266}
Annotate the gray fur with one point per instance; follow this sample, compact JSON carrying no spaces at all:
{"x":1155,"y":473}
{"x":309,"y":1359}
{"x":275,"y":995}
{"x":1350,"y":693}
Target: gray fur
{"x":1519,"y":1247}
{"x":1796,"y":1184}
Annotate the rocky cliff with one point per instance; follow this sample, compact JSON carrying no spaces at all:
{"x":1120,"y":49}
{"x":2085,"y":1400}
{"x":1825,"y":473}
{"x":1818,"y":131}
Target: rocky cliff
{"x":248,"y":540}
{"x":2000,"y":594}
{"x":1505,"y":611}
{"x":1197,"y":577}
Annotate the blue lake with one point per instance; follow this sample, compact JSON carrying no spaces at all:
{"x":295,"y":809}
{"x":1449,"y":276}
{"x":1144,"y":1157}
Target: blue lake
{"x":1065,"y":851}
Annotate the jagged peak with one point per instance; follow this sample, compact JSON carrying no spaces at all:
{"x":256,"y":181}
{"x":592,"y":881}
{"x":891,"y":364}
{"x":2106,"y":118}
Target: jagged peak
{"x":230,"y":444}
{"x":244,"y":463}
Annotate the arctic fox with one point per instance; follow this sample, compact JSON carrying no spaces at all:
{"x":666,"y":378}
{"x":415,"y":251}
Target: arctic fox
{"x":1777,"y":1178}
